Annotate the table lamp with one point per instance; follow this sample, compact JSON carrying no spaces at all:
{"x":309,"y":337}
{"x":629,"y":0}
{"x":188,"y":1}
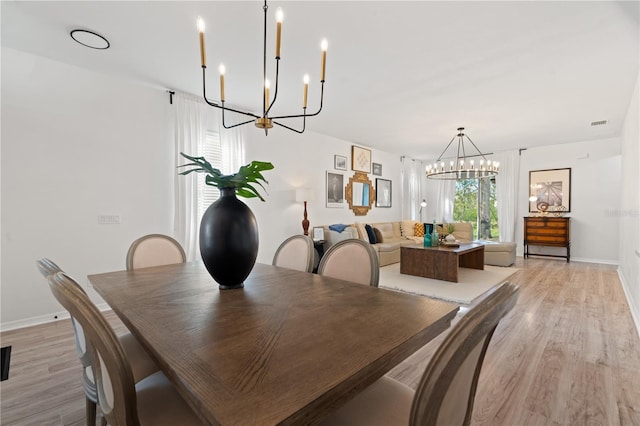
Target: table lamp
{"x":304,"y":195}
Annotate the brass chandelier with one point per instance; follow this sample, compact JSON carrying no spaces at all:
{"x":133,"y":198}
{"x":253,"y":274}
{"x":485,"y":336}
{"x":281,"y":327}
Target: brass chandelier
{"x":462,"y":166}
{"x":264,"y":121}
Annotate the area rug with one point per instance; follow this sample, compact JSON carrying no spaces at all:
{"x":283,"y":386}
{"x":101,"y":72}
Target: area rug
{"x":471,"y":283}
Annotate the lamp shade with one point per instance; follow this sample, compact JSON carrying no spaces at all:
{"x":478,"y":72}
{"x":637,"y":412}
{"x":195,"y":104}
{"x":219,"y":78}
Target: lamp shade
{"x":304,"y":194}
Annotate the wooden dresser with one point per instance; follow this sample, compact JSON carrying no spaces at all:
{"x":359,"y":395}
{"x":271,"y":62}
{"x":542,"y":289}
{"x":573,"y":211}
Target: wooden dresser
{"x":547,"y":231}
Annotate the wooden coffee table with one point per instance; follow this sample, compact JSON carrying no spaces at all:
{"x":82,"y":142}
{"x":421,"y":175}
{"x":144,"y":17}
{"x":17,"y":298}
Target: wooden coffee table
{"x":440,"y":262}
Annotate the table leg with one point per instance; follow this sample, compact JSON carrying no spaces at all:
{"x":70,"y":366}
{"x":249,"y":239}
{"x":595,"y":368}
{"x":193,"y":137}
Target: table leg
{"x":473,"y":259}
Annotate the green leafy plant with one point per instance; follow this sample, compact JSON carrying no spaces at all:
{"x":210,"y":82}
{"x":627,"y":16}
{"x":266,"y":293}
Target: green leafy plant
{"x":450,"y":228}
{"x":242,"y":181}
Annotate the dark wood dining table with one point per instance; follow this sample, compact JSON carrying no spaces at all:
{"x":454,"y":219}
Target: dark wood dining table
{"x":288,"y":348}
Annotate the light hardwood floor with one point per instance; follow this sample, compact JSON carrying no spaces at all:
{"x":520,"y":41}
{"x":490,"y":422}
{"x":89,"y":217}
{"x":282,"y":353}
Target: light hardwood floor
{"x":568,"y":354}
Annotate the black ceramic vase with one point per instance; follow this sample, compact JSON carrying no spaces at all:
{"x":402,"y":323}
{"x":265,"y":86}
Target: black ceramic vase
{"x":229,"y":240}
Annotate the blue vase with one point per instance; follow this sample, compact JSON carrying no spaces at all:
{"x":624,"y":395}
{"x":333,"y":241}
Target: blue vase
{"x":427,"y":240}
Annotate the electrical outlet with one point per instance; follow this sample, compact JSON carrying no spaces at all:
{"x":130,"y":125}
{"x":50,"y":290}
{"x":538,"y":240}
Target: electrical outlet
{"x":109,"y":219}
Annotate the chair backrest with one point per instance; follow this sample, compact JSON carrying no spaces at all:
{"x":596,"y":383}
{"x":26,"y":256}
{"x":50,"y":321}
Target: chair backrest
{"x":351,"y":260}
{"x":295,"y":252}
{"x":446,"y":391}
{"x":48,"y":268}
{"x":154,"y":250}
{"x":114,"y":379}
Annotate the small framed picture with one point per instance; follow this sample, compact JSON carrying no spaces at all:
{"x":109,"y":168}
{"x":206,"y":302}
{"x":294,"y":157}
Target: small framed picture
{"x":383,"y":193}
{"x":318,"y":234}
{"x":335,"y":190}
{"x":339,"y":162}
{"x":360,"y":159}
{"x":377,"y":169}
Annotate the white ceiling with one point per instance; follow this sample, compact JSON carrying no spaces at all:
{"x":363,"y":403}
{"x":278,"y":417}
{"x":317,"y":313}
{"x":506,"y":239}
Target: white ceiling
{"x":401,"y":76}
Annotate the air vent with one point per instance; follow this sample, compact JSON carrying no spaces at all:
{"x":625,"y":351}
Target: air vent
{"x":599,"y":123}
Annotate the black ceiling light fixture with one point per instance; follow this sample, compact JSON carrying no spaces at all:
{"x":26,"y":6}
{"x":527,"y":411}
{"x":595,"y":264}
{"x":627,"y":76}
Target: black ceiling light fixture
{"x":462,"y":166}
{"x":264,"y":120}
{"x":90,"y":39}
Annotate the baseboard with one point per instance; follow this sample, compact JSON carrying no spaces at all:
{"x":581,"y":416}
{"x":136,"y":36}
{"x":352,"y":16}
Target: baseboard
{"x":574,"y":259}
{"x":42,"y":319}
{"x":601,"y":261}
{"x":635,"y":310}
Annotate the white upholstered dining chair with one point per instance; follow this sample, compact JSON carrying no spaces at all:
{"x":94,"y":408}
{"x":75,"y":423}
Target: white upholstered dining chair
{"x":152,"y":401}
{"x":296,"y":252}
{"x":154,"y":250}
{"x":351,"y":260}
{"x":447,"y":389}
{"x":141,"y":364}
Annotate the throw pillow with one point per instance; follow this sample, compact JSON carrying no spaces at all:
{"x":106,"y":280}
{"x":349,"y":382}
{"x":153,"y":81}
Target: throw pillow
{"x":419,"y":230}
{"x":379,"y":237}
{"x":362,"y":233}
{"x":370,"y":234}
{"x":408,"y":228}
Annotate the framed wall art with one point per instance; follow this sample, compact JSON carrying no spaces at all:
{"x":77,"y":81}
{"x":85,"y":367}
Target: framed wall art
{"x":360,"y":159}
{"x":339,"y":162}
{"x":383,"y":193}
{"x":335,"y":190}
{"x":550,"y":190}
{"x":377,"y":169}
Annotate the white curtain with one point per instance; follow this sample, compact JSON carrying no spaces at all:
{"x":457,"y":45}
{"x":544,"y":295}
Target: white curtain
{"x":232,"y":143}
{"x":411,"y":187}
{"x":190,"y":134}
{"x":507,"y":182}
{"x":444,"y":201}
{"x":193,"y":118}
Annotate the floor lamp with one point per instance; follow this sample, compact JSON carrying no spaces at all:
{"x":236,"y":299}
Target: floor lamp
{"x":302,"y":196}
{"x":423,"y":204}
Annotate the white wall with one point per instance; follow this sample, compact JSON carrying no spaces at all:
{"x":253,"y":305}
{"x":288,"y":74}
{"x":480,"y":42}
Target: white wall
{"x":595,"y":179}
{"x":595,"y":182}
{"x":301,"y":161}
{"x":76,"y":144}
{"x":629,"y":213}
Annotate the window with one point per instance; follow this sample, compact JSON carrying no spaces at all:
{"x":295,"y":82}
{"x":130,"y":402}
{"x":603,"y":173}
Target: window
{"x":475,"y":203}
{"x":212,"y":151}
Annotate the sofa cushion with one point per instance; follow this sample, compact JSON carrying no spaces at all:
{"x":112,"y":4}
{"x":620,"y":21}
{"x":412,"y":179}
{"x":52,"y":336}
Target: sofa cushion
{"x":498,"y":246}
{"x":463,"y":231}
{"x":384,"y":247}
{"x":370,"y":234}
{"x":419,"y":230}
{"x":386,"y":229}
{"x":333,"y":237}
{"x":379,"y":237}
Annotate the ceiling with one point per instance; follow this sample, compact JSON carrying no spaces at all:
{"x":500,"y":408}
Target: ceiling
{"x":401,"y":76}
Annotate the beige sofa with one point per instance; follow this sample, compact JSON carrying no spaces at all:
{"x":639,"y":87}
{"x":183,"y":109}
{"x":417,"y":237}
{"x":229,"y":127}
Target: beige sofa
{"x":394,"y":235}
{"x":388,"y":250}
